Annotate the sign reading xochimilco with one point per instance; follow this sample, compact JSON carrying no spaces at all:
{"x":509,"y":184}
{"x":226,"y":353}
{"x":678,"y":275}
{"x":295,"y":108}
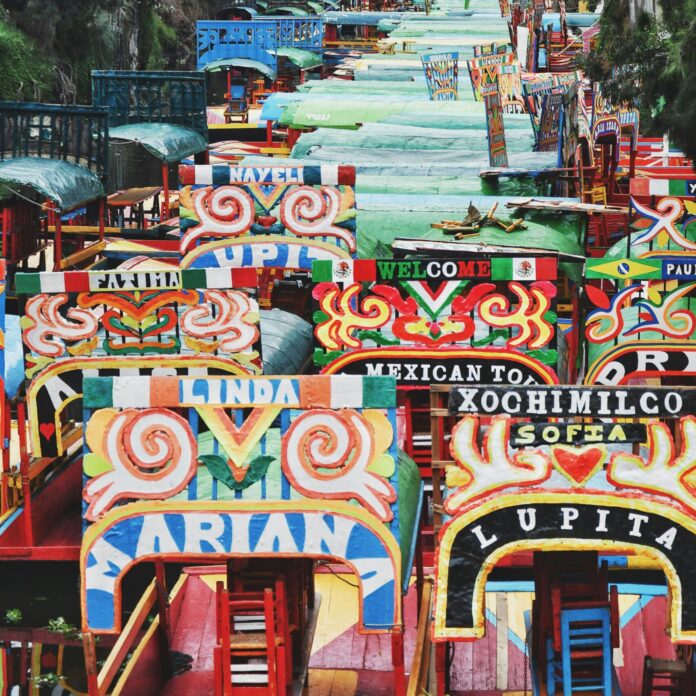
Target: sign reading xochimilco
{"x":546,"y":467}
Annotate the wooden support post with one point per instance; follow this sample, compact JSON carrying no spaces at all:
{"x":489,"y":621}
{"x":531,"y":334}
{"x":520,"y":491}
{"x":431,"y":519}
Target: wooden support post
{"x":440,"y":668}
{"x":163,"y":609}
{"x":58,"y":243}
{"x":165,"y":192}
{"x":419,"y":565}
{"x":90,"y":652}
{"x":269,"y":133}
{"x":397,"y":637}
{"x":24,"y":472}
{"x":102,"y":221}
{"x":6,"y":433}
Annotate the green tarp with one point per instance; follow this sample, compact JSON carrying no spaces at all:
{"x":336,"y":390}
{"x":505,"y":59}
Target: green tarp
{"x":67,"y":184}
{"x":165,"y":141}
{"x":227,"y":63}
{"x":306,"y":60}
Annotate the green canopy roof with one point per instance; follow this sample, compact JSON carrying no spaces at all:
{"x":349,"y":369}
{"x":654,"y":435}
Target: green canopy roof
{"x":227,"y":63}
{"x":306,"y":60}
{"x":67,"y":184}
{"x":165,"y":141}
{"x":294,"y":11}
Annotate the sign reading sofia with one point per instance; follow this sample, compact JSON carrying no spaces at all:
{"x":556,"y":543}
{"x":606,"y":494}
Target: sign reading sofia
{"x":604,"y":483}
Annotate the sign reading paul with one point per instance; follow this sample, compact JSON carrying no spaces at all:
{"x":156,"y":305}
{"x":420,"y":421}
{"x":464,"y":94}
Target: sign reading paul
{"x":186,"y":468}
{"x":483,"y":319}
{"x":571,"y":480}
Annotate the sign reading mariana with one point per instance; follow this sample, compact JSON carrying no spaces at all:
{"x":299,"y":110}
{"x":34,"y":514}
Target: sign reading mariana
{"x":176,"y":467}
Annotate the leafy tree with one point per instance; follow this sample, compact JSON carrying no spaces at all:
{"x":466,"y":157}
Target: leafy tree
{"x":651,"y":62}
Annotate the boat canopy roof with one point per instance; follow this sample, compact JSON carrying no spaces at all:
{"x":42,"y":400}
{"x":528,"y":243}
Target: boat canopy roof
{"x":67,"y":184}
{"x":228,"y":63}
{"x":302,"y":58}
{"x":165,"y":141}
{"x":379,"y":136}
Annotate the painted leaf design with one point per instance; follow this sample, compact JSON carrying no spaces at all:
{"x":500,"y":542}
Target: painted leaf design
{"x":219,"y":468}
{"x":598,"y":297}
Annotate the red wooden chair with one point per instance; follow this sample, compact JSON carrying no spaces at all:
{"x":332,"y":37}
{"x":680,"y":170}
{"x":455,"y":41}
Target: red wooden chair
{"x":250,"y":655}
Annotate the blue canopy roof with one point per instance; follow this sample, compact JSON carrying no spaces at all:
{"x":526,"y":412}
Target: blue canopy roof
{"x":67,"y":184}
{"x":164,"y":140}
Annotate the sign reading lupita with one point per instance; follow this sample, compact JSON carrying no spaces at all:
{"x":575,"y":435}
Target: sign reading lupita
{"x":470,"y":543}
{"x":563,"y":401}
{"x":565,"y":483}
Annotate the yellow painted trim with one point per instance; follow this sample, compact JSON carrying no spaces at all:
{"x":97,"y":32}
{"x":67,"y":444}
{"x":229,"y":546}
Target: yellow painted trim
{"x":455,"y":525}
{"x":140,"y":508}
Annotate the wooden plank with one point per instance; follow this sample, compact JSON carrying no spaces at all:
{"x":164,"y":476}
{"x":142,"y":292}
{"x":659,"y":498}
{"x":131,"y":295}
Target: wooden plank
{"x":82,"y":255}
{"x":85,"y":229}
{"x":126,"y":639}
{"x":501,"y":612}
{"x":421,"y":656}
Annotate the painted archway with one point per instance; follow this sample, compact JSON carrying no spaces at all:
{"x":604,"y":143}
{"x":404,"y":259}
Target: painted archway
{"x":472,"y":543}
{"x":193,"y":531}
{"x":60,"y":384}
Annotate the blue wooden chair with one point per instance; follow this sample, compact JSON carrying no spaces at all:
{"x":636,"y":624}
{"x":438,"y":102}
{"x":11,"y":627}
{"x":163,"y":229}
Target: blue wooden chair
{"x":584,"y":662}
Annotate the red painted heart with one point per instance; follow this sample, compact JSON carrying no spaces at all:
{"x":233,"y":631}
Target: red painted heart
{"x":47,"y":430}
{"x":578,"y":463}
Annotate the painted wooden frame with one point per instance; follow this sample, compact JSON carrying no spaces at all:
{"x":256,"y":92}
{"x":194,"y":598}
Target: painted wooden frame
{"x":438,"y":320}
{"x":506,"y":496}
{"x":111,"y":322}
{"x":310,"y":471}
{"x":266,"y":217}
{"x":646,"y":326}
{"x":442,"y":75}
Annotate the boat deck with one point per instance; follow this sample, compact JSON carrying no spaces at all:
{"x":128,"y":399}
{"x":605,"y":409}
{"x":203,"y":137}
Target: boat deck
{"x":345,"y":663}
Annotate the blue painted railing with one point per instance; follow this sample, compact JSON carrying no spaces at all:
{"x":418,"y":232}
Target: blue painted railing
{"x":222,"y":40}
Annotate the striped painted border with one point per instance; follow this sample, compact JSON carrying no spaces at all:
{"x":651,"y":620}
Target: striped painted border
{"x":676,"y":268}
{"x":124,"y":281}
{"x":501,"y":268}
{"x":223,"y":174}
{"x":663,"y":187}
{"x":302,"y":392}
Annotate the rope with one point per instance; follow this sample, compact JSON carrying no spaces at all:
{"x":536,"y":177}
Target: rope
{"x":43,"y":206}
{"x":338,"y":575}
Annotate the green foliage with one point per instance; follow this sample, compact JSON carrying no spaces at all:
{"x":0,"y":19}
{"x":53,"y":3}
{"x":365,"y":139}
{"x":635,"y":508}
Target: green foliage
{"x":49,"y":679}
{"x":13,"y":616}
{"x":49,"y":47}
{"x":24,"y":72}
{"x":60,"y":625}
{"x":651,"y":63}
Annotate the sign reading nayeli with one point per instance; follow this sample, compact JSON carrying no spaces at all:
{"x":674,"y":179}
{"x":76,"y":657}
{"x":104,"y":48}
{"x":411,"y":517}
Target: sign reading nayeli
{"x":299,"y":466}
{"x":566,"y":486}
{"x":138,"y":322}
{"x":309,"y":212}
{"x":425,"y":320}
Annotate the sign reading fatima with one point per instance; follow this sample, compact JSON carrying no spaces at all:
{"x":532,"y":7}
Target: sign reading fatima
{"x":562,"y":401}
